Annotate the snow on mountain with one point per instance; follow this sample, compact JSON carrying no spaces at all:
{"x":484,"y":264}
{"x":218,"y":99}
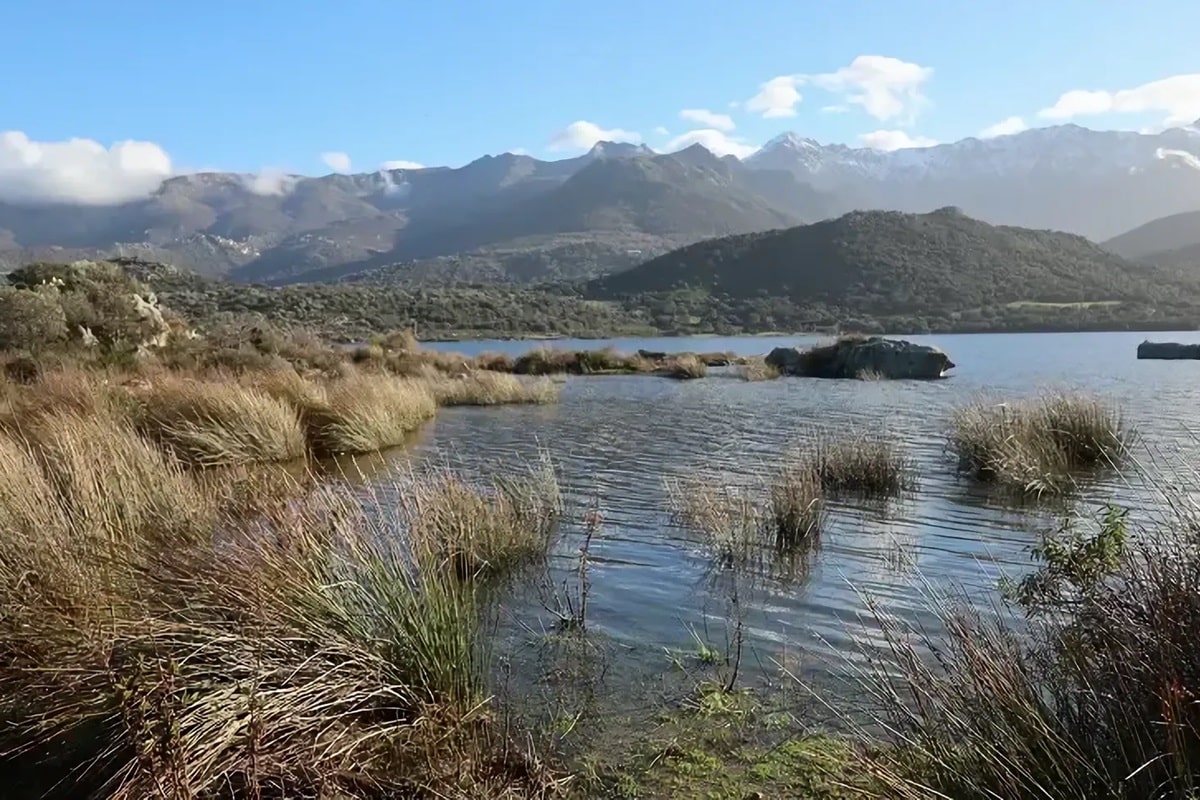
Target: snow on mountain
{"x":1097,"y":183}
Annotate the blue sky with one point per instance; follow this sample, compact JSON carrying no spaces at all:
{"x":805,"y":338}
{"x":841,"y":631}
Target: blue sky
{"x":259,"y":83}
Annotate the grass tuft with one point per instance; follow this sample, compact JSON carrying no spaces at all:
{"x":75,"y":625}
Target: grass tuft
{"x":481,"y":531}
{"x":1037,"y":446}
{"x":796,"y":505}
{"x":868,"y":465}
{"x":484,"y":388}
{"x":363,"y":413}
{"x":219,"y":423}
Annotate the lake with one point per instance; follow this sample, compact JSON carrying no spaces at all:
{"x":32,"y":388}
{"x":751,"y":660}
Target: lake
{"x":615,"y":439}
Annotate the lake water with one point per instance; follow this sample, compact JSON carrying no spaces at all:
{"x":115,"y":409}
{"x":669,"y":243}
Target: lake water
{"x":615,"y":440}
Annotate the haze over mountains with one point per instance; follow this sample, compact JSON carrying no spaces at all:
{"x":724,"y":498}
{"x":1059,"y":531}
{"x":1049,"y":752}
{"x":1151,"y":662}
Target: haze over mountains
{"x":514,"y":218}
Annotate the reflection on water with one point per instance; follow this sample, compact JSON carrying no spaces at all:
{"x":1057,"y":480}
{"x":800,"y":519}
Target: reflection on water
{"x":615,"y":440}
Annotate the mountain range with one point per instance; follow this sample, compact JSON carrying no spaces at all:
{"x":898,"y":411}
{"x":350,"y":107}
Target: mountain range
{"x":516,"y":219}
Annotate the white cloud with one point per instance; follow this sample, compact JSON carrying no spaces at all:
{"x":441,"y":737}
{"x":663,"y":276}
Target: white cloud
{"x":270,"y":181}
{"x":894,"y":140}
{"x":1176,"y":97}
{"x":338,"y":162}
{"x":777,"y":97}
{"x":885,"y":87}
{"x":661,"y":131}
{"x":1005,"y":127}
{"x":392,"y":165}
{"x":717,"y":142}
{"x":583,"y":135}
{"x":834,"y":109}
{"x":709,"y":119}
{"x":79,"y":170}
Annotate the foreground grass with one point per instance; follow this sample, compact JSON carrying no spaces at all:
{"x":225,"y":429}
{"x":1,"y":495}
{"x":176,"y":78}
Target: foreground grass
{"x":1038,"y":446}
{"x":156,"y":642}
{"x":1092,"y":694}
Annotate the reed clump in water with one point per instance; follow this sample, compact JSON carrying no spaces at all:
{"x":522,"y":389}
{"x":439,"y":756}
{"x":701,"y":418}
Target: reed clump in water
{"x":869,"y":465}
{"x":484,"y":530}
{"x":685,"y":367}
{"x":1092,"y":695}
{"x":797,"y":505}
{"x":1038,"y":445}
{"x":757,"y":369}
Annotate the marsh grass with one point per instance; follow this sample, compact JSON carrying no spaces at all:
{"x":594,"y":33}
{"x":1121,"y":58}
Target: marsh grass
{"x":1040,"y":445}
{"x":870,"y":465}
{"x":684,"y":367}
{"x":483,"y":530}
{"x":148,"y":652}
{"x":1091,"y":694}
{"x":797,"y":505}
{"x":219,"y":423}
{"x":484,"y":388}
{"x":757,"y":369}
{"x":729,"y":517}
{"x":362,"y":413}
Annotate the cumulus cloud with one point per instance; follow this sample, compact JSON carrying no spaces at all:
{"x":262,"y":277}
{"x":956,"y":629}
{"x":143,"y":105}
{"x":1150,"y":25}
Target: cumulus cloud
{"x":1177,"y":98}
{"x":583,"y":135}
{"x":709,"y":119}
{"x":661,"y":131}
{"x":338,"y":162}
{"x":717,"y":142}
{"x":1005,"y":127}
{"x":885,"y":87}
{"x":79,"y":170}
{"x":395,"y":165}
{"x":894,"y":140}
{"x":777,"y":97}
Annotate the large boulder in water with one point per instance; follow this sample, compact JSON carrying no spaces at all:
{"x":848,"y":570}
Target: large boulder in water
{"x":1168,"y":350}
{"x":855,"y":357}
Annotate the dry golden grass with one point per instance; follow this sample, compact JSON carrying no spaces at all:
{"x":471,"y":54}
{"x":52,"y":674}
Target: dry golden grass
{"x":797,"y":505}
{"x":483,"y":388}
{"x":219,"y":423}
{"x":870,"y":465}
{"x":756,"y":369}
{"x":304,"y":654}
{"x":361,"y":413}
{"x":482,"y":530}
{"x":684,"y":367}
{"x":1038,"y":445}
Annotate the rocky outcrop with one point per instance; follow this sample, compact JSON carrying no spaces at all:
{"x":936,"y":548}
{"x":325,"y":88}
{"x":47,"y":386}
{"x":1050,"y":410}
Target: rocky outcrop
{"x":1168,"y":350}
{"x":855,"y":357}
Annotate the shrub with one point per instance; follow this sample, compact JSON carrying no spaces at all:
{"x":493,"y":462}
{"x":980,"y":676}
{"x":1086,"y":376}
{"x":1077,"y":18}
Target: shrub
{"x":1037,"y":446}
{"x":30,"y":319}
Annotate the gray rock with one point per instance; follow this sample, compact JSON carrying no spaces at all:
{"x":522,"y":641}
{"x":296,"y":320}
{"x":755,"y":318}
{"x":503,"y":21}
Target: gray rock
{"x":874,"y":357}
{"x":1168,"y":350}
